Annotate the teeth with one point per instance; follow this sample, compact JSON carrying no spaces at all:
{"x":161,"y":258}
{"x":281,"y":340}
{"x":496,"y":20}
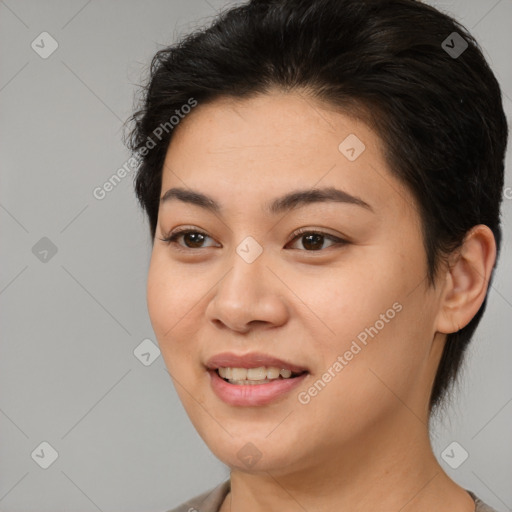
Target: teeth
{"x":238,"y":373}
{"x":259,"y":374}
{"x":256,"y":373}
{"x":273,"y":372}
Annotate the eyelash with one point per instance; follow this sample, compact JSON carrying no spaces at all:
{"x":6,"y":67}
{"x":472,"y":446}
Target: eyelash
{"x":172,"y":237}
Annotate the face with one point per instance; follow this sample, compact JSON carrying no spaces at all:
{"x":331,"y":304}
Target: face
{"x":346,"y":300}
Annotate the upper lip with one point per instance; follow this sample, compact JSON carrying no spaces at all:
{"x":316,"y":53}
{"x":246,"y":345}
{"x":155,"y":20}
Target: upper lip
{"x":250,"y":360}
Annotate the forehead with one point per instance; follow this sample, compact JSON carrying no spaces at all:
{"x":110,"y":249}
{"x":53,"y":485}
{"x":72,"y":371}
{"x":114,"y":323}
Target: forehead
{"x":267,"y":126}
{"x":254,"y":149}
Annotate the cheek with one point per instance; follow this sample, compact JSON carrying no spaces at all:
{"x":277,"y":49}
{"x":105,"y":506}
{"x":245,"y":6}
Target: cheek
{"x":161,"y":290}
{"x":171,"y":294}
{"x":174,"y":302}
{"x":374,"y":313}
{"x":173,"y":299}
{"x":346,"y":300}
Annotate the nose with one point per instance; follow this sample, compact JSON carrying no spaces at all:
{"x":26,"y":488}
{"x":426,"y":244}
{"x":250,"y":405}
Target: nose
{"x":249,"y":295}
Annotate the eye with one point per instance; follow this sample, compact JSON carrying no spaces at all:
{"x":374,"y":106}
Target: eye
{"x":313,"y":239}
{"x":193,"y":238}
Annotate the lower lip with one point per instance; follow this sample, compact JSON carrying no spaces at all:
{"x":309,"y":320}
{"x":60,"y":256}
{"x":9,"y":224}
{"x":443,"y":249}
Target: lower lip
{"x":252,"y":394}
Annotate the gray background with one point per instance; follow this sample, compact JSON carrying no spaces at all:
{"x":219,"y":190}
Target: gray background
{"x":71,"y":322}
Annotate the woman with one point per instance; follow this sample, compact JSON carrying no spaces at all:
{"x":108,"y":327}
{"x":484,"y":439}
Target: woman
{"x":322,"y":181}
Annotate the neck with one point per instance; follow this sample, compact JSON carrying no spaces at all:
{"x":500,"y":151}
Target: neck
{"x":392,"y":468}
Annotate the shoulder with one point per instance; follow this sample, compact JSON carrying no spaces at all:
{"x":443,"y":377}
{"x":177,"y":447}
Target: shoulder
{"x":208,"y":501}
{"x":211,"y":500}
{"x":480,"y":505}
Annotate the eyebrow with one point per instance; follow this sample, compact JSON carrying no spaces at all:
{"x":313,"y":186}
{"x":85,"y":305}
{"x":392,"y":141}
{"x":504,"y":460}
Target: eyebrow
{"x":281,"y":204}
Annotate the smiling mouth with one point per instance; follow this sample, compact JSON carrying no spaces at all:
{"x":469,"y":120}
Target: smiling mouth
{"x":255,"y":376}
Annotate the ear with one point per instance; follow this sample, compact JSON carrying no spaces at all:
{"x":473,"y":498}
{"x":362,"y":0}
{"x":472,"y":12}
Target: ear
{"x":467,"y":279}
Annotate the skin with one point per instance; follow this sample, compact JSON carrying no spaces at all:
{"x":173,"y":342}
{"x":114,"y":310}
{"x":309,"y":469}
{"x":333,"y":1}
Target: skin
{"x":366,"y":433}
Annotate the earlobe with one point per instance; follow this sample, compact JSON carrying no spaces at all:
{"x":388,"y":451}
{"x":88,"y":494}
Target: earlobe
{"x":467,"y":279}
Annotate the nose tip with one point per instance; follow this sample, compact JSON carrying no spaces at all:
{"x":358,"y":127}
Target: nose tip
{"x":247,"y":299}
{"x":238,"y":319}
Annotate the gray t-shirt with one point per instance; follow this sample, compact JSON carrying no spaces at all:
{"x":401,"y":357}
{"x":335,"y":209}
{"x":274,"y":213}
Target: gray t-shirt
{"x":211,"y":500}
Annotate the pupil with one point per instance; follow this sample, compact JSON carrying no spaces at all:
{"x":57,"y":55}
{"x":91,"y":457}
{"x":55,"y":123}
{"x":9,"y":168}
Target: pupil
{"x":315,"y":237}
{"x":188,"y":235}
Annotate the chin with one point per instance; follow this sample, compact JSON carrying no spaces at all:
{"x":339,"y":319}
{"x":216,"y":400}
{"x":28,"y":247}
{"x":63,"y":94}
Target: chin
{"x":253,"y":453}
